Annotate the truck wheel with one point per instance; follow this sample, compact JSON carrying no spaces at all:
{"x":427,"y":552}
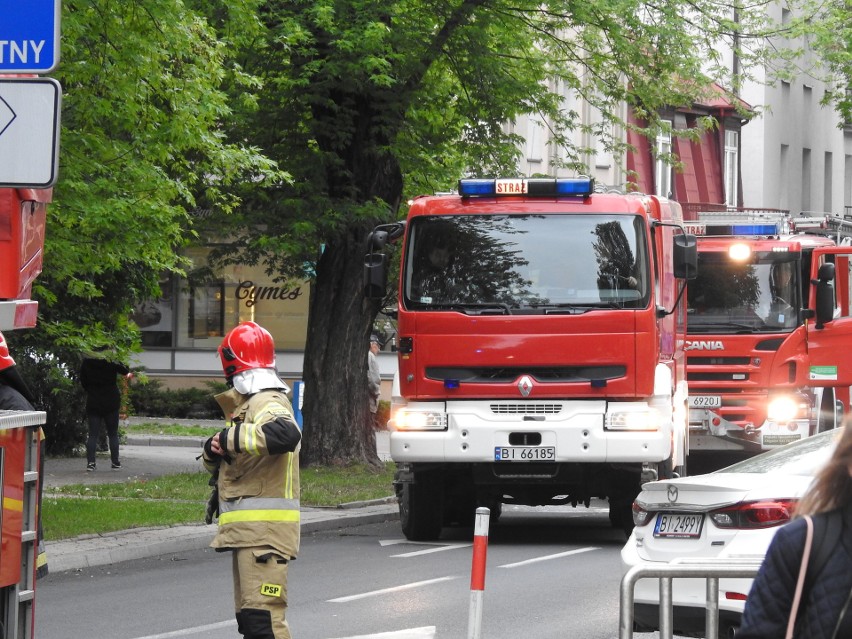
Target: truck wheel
{"x":420,"y":511}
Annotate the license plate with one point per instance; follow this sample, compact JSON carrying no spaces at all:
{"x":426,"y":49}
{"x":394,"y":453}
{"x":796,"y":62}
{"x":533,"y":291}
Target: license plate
{"x":705,"y":401}
{"x":524,"y":453}
{"x":679,"y":525}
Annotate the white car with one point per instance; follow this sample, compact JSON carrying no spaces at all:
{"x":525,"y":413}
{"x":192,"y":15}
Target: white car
{"x":730,"y":513}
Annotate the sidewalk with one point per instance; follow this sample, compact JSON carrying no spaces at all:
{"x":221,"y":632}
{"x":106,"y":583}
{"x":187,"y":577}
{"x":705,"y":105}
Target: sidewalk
{"x":150,"y":457}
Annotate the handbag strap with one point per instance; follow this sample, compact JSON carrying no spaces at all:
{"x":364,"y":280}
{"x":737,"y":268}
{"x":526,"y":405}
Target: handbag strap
{"x":803,"y":571}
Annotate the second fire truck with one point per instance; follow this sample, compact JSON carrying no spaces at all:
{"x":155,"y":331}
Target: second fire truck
{"x":763,"y":368}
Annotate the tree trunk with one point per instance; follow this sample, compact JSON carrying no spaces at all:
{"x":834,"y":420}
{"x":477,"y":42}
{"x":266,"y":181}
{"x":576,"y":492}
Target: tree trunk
{"x":337,"y":420}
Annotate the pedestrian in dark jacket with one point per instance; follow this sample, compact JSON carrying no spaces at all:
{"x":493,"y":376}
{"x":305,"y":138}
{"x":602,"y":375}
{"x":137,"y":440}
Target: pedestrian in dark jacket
{"x":99,"y":378}
{"x":825,"y":609}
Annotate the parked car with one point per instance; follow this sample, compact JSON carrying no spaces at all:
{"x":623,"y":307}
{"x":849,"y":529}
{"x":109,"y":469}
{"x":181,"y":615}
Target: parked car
{"x":731,"y":513}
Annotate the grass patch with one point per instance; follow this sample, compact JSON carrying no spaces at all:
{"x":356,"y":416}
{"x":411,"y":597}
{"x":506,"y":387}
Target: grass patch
{"x":81,"y":509}
{"x":149,"y":428}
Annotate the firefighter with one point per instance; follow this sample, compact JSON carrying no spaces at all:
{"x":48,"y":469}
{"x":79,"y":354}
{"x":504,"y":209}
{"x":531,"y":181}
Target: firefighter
{"x":16,"y":395}
{"x":257,"y":461}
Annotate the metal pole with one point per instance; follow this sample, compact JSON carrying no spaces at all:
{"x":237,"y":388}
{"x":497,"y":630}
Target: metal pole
{"x":477,"y":573}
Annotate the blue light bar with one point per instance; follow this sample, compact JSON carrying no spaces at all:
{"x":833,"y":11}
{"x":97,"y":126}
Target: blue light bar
{"x":533,"y":187}
{"x":754,"y":229}
{"x":476,"y":187}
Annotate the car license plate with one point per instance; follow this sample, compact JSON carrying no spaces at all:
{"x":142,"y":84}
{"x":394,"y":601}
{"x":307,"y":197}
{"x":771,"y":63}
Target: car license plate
{"x":524,"y":453}
{"x":679,"y":525}
{"x":705,"y":401}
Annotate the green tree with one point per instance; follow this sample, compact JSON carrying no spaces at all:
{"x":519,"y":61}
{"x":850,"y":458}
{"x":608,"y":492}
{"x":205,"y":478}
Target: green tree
{"x":365,"y":102}
{"x":142,"y":147}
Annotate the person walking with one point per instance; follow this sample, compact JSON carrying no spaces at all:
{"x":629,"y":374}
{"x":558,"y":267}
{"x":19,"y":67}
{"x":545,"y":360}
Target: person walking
{"x":374,"y":379}
{"x":255,"y":461}
{"x":99,"y":378}
{"x":804,"y":586}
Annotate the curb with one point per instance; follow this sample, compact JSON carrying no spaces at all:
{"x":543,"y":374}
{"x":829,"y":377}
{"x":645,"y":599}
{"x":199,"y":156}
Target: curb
{"x":91,"y":551}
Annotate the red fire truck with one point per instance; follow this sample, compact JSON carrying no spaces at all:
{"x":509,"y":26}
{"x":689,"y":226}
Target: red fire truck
{"x":22,"y":217}
{"x":764,"y":366}
{"x":541,"y":329}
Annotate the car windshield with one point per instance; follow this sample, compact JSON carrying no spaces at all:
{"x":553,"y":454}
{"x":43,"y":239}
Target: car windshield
{"x":733,"y":296}
{"x":527,"y":263}
{"x":804,"y":457}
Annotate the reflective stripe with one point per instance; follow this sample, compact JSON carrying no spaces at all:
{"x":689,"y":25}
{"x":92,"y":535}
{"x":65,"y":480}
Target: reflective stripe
{"x":258,"y":503}
{"x":259,"y":515}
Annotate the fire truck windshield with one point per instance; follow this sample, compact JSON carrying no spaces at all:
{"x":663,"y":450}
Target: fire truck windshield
{"x":731,"y":296}
{"x":526,"y":263}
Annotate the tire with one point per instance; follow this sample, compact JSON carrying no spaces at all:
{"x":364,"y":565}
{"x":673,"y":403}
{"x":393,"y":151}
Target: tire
{"x":421,"y":510}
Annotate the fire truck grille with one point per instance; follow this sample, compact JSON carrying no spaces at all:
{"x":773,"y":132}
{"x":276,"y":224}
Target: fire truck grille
{"x":719,"y":361}
{"x":717,"y":377}
{"x":526,"y":409}
{"x":555,"y":374}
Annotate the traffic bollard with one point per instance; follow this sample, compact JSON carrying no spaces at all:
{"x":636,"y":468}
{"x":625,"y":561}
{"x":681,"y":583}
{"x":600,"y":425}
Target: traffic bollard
{"x":477,"y":573}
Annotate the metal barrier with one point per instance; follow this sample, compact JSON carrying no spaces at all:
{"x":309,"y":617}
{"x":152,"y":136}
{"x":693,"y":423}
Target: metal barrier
{"x":711,"y":570}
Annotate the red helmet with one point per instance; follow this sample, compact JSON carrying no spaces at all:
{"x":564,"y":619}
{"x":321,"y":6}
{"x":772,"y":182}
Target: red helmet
{"x":247,"y":346}
{"x":6,"y":360}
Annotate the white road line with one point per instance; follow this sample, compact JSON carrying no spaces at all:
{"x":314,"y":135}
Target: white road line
{"x":548,"y":557}
{"x":426,"y":632}
{"x":415,"y":553}
{"x":396,"y":542}
{"x":187,"y":632}
{"x":376,"y":593}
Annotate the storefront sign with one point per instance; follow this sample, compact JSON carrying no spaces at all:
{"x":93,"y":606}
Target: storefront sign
{"x":252,"y":293}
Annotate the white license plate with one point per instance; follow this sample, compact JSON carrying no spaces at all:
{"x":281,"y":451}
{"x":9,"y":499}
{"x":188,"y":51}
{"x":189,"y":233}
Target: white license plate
{"x":705,"y":401}
{"x":524,"y":453}
{"x":679,"y":525}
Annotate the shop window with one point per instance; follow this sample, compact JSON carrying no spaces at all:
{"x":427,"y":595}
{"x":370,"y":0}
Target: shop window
{"x":207,"y":311}
{"x":155,"y":318}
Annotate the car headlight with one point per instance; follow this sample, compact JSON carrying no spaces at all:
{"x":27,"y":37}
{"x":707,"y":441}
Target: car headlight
{"x":786,"y":408}
{"x":647,"y":419}
{"x":419,"y":420}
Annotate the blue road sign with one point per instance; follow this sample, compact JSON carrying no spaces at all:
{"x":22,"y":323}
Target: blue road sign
{"x":29,"y":36}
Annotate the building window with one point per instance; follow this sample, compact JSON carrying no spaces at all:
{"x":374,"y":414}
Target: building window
{"x":663,"y":170}
{"x":535,"y":131}
{"x":207,"y":311}
{"x":732,"y":145}
{"x":155,"y":318}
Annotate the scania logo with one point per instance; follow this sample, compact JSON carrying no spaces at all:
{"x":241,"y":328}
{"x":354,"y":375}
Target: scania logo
{"x":704,"y":345}
{"x":525,"y":385}
{"x":672,"y":494}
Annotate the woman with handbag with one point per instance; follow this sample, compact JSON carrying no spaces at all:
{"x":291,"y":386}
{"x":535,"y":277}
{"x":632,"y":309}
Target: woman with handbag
{"x":804,"y":587}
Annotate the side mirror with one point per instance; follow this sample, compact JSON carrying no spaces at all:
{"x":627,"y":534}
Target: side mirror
{"x":685,"y":257}
{"x":824,"y":295}
{"x":375,"y":275}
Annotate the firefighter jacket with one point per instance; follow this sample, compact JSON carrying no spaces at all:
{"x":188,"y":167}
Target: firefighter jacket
{"x":258,"y":475}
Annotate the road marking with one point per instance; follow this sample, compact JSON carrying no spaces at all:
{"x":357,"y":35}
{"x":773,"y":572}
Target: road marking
{"x":548,"y":557}
{"x":426,"y":632}
{"x":416,"y":553}
{"x":396,"y":542}
{"x":186,"y":632}
{"x":383,"y":591}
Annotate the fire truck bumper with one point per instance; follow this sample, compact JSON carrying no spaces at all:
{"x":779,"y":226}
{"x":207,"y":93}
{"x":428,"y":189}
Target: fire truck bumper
{"x":710,"y":431}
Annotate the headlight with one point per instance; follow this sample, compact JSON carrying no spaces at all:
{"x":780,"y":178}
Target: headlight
{"x":786,"y":408}
{"x":647,"y":419}
{"x":419,"y":420}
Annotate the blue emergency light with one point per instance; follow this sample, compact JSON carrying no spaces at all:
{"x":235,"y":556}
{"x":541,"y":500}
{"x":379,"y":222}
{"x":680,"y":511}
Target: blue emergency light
{"x":754,"y":229}
{"x":534,"y":187}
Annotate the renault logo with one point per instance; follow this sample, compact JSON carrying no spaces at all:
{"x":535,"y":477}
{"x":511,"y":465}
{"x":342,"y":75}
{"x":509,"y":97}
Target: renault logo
{"x":672,"y":494}
{"x":525,"y":385}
